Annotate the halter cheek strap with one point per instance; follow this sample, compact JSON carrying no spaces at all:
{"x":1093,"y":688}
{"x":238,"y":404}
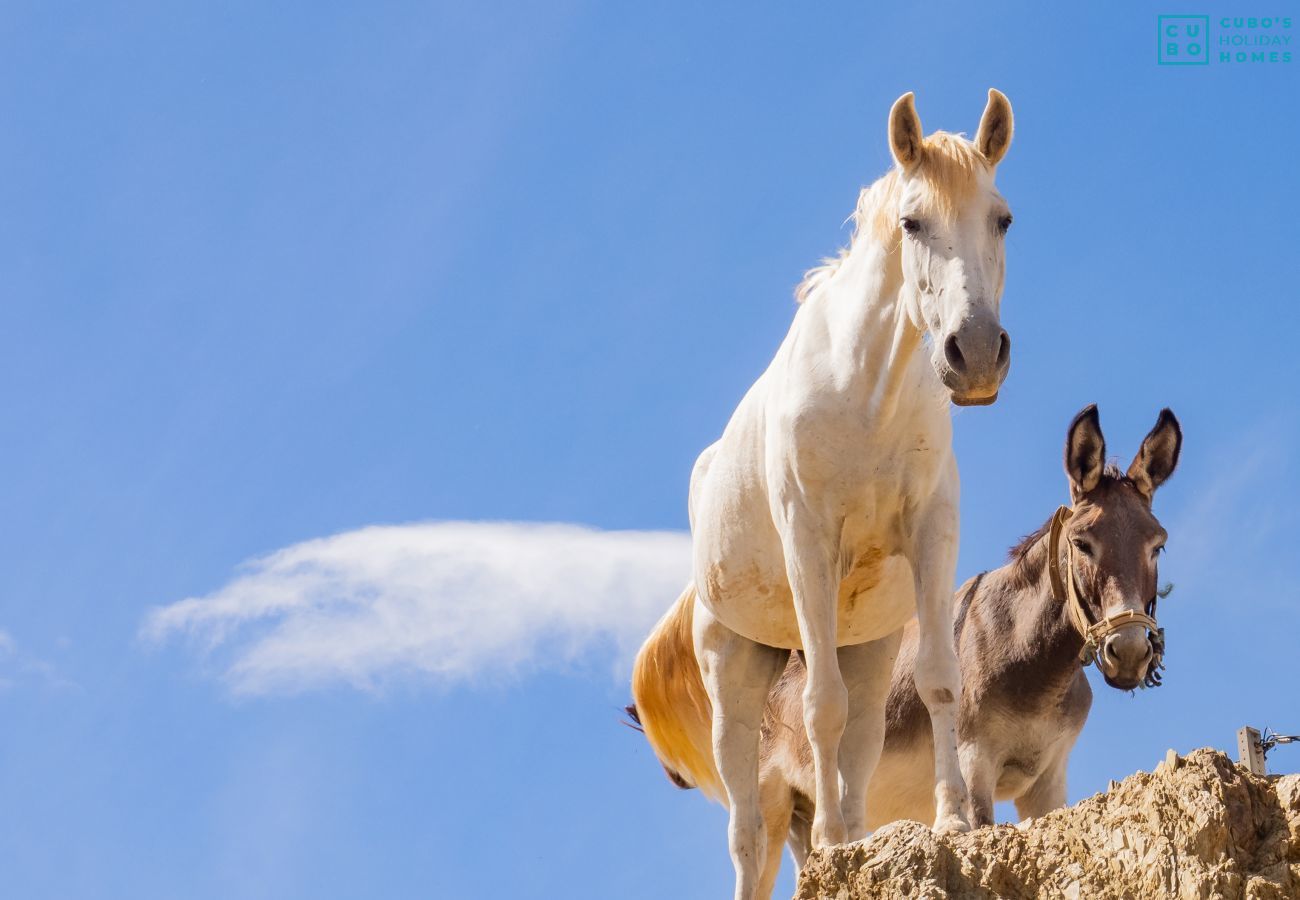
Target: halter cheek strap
{"x":1066,"y":589}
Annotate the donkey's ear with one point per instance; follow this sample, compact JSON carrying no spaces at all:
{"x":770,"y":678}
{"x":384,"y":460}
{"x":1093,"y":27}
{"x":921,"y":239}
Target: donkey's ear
{"x":1156,"y":459}
{"x":1085,"y":452}
{"x":905,"y":132}
{"x":996,"y":126}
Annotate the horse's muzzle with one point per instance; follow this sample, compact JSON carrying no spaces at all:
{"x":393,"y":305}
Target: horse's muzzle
{"x":975,"y":360}
{"x":975,"y":401}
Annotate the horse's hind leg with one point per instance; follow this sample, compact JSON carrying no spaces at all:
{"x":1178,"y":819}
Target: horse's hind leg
{"x":738,"y":674}
{"x":866,"y":669}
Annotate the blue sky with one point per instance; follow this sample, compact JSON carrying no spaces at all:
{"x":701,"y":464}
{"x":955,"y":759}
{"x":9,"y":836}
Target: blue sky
{"x":276,"y":274}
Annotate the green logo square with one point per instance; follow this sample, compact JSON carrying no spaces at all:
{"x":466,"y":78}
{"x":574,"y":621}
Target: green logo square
{"x":1183,"y":40}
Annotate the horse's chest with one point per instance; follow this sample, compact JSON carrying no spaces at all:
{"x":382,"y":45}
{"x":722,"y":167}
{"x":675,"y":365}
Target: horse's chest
{"x":857,"y":486}
{"x":883,"y":474}
{"x":875,"y":596}
{"x":864,"y":572}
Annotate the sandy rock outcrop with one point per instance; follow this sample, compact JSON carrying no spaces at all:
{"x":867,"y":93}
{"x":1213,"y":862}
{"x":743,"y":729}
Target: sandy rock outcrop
{"x":1197,"y":827}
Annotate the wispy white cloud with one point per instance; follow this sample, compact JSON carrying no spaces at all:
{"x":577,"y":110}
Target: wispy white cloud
{"x":18,"y":666}
{"x":445,"y":601}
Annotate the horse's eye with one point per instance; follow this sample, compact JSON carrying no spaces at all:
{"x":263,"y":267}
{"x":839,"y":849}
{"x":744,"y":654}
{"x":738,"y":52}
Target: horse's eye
{"x":1082,"y":546}
{"x":911,"y":226}
{"x":1156,"y":552}
{"x":1004,"y":223}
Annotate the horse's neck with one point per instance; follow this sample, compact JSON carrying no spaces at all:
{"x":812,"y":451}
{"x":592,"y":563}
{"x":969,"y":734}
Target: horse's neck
{"x":871,"y":342}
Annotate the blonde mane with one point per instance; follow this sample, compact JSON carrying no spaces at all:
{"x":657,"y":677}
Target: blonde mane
{"x":949,"y":166}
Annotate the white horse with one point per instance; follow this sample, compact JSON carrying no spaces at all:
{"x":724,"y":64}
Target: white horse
{"x":826,"y":515}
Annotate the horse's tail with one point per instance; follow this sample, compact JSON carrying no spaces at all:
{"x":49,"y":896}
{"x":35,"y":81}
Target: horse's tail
{"x":670,"y":704}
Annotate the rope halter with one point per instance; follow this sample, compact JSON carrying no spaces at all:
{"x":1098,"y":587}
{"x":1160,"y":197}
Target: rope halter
{"x":1066,"y":589}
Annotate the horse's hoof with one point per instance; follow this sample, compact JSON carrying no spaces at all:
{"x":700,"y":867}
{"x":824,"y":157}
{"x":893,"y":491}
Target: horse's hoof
{"x":829,"y":836}
{"x":951,"y":824}
{"x":828,"y":841}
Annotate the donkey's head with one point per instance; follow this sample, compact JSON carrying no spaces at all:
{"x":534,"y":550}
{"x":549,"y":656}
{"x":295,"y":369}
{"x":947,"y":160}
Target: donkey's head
{"x":953,"y":221}
{"x":1115,"y":539}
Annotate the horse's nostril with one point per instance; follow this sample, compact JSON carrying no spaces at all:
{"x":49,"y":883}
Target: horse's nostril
{"x":953,"y":354}
{"x":1004,"y":349}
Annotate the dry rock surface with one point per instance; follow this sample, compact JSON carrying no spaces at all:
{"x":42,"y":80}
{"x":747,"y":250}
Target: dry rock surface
{"x":1197,"y":827}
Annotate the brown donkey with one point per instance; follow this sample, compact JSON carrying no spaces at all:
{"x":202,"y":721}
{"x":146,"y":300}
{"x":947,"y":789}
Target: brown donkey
{"x":1081,"y":588}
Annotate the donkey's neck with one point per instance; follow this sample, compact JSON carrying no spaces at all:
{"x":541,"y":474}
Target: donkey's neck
{"x":871,"y":340}
{"x":1042,"y":656}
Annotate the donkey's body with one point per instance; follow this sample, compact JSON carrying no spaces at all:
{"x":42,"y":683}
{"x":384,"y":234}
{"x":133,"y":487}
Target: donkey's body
{"x":826,"y":515}
{"x":1024,"y":694}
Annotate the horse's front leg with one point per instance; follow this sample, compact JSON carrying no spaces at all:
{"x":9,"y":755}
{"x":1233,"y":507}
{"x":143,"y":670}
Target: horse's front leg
{"x":738,"y":675}
{"x":938,"y":678}
{"x":866,"y":670}
{"x":810,"y":563}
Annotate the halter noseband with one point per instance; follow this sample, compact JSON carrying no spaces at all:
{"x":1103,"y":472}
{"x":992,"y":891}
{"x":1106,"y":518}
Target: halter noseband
{"x":1093,"y":633}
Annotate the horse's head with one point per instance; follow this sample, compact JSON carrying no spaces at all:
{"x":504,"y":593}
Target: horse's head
{"x":1114,"y":539}
{"x":953,"y":221}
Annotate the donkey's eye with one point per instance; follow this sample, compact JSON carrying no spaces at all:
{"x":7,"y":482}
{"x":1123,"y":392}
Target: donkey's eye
{"x":1082,"y":546}
{"x":1004,"y":223}
{"x":911,"y":226}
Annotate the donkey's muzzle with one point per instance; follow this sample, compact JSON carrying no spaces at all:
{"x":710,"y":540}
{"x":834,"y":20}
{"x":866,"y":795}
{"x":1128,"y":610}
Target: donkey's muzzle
{"x":1125,"y":656}
{"x":976,"y":359}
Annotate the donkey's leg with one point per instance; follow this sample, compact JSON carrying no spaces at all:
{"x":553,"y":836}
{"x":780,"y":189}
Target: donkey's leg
{"x":800,"y":841}
{"x":738,"y":674}
{"x":1047,"y":792}
{"x":777,"y":801}
{"x":866,"y":669}
{"x":938,"y":678}
{"x":980,"y":771}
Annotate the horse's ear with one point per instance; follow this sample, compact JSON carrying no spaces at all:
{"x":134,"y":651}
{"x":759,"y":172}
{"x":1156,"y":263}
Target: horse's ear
{"x":996,"y":127}
{"x":905,"y":132}
{"x":1158,"y":456}
{"x":1085,"y":452}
